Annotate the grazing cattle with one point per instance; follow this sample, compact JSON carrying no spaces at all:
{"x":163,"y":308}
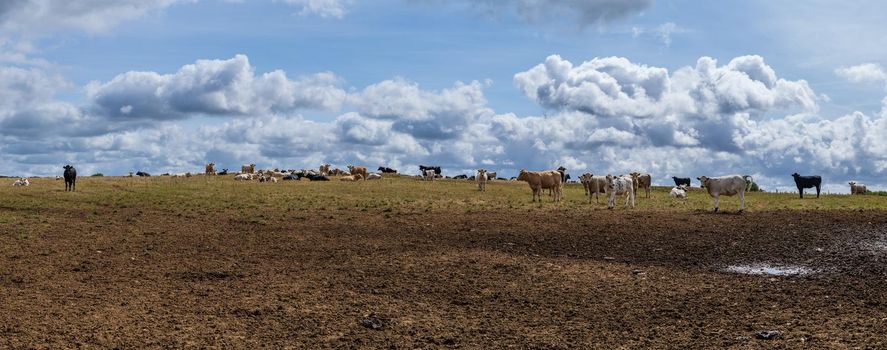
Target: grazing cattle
{"x":622,"y":185}
{"x":428,"y":175}
{"x":679,"y":191}
{"x":374,"y":176}
{"x":351,"y":178}
{"x":538,"y":180}
{"x":70,"y":177}
{"x":807,"y":182}
{"x":387,"y":170}
{"x":460,"y":177}
{"x":491,"y":176}
{"x":210,"y":169}
{"x":358,"y":170}
{"x":436,"y":169}
{"x":729,"y":185}
{"x":594,"y":186}
{"x":22,"y":182}
{"x":243,"y":177}
{"x":857,"y":188}
{"x":324,"y":169}
{"x":248,"y":168}
{"x":223,"y":172}
{"x":481,"y":180}
{"x":142,"y":174}
{"x":642,"y":181}
{"x":681,"y":181}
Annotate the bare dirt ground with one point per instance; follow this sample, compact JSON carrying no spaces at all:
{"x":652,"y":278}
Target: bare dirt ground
{"x":441,"y":279}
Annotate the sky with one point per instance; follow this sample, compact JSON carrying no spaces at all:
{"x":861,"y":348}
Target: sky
{"x":672,"y":88}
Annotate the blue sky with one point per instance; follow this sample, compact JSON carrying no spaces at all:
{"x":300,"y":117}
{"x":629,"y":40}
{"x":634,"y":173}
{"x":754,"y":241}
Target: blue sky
{"x":399,"y":83}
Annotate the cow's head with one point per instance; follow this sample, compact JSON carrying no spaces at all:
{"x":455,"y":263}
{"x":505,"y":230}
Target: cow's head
{"x":702,"y":181}
{"x":796,"y":175}
{"x":522,"y":175}
{"x":852,"y":183}
{"x":67,"y":167}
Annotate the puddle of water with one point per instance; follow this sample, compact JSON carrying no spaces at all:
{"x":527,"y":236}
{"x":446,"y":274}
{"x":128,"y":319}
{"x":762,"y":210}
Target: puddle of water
{"x":771,"y":270}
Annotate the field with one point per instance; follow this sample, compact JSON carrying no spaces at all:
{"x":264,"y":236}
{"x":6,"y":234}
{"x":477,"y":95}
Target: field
{"x":401,"y":263}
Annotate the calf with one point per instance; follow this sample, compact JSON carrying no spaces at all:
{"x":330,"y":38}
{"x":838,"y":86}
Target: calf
{"x":481,"y":180}
{"x":70,"y":177}
{"x":678,"y":192}
{"x":807,"y":182}
{"x":681,"y":181}
{"x":642,"y":181}
{"x":729,"y":185}
{"x":428,"y":175}
{"x":620,"y":185}
{"x":857,"y":188}
{"x":243,"y":177}
{"x":21,"y":182}
{"x":374,"y":176}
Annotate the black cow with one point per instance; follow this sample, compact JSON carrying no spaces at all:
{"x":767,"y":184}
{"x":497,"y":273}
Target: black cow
{"x":387,"y":170}
{"x":564,"y":175}
{"x":460,"y":177}
{"x":317,"y":177}
{"x":807,"y":182}
{"x":681,"y":181}
{"x":422,"y":169}
{"x":223,"y":172}
{"x":142,"y":174}
{"x":70,"y":178}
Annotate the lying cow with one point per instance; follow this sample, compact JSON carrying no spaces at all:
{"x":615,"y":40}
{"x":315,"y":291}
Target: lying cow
{"x":268,"y":178}
{"x":729,"y":185}
{"x":538,"y":180}
{"x":481,"y":180}
{"x":679,"y":192}
{"x":622,"y":185}
{"x":351,"y":178}
{"x":22,"y":182}
{"x":243,"y":177}
{"x":678,"y":181}
{"x":807,"y":182}
{"x":374,"y":176}
{"x":387,"y":170}
{"x":642,"y":181}
{"x":491,"y":176}
{"x":436,"y":169}
{"x":857,"y":188}
{"x":358,"y":170}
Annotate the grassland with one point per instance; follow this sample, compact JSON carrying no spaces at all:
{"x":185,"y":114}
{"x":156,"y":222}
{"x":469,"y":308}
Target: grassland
{"x":208,"y":262}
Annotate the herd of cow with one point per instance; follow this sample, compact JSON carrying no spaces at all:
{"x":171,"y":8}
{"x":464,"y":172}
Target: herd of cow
{"x":626,"y":186}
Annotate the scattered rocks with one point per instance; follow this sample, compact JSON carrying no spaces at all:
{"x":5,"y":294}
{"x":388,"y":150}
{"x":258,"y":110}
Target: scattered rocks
{"x":372,"y":322}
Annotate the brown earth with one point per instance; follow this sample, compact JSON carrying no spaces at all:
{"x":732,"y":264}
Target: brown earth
{"x":132,"y":278}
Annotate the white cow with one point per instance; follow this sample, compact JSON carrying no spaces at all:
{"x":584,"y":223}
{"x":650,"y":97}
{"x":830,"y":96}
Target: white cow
{"x":729,"y":185}
{"x":594,"y":185}
{"x":429,"y":175}
{"x":374,"y":176}
{"x":243,"y":177}
{"x":22,"y":182}
{"x":857,"y":188}
{"x":481,"y":179}
{"x":620,"y":185}
{"x":679,"y":192}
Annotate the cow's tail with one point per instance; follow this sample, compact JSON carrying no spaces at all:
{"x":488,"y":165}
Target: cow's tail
{"x":748,"y":181}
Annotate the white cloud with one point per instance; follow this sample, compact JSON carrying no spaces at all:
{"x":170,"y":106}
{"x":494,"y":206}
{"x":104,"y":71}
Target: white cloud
{"x":867,"y":72}
{"x":213,"y":87}
{"x":583,"y":12}
{"x":36,"y":17}
{"x":322,"y":8}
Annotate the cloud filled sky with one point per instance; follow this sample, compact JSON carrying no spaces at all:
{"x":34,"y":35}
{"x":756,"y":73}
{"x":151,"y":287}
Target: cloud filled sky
{"x":674,"y":88}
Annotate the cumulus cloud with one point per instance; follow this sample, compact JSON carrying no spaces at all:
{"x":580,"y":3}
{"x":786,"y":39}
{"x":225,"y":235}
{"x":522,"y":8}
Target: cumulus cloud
{"x":34,"y":17}
{"x":867,"y":72}
{"x":212,"y":87}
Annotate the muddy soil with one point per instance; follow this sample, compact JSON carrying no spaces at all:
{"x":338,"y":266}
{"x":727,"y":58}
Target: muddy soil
{"x":498,"y":279}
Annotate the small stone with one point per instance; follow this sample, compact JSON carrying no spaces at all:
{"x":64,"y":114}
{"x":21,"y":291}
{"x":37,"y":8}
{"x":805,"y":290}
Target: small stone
{"x":768,"y":335}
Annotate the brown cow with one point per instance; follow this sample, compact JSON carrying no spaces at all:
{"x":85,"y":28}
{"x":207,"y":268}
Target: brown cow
{"x":642,"y":181}
{"x":210,"y":169}
{"x":358,"y":170}
{"x":539,"y":180}
{"x":324,"y":169}
{"x":594,"y":186}
{"x":248,"y":168}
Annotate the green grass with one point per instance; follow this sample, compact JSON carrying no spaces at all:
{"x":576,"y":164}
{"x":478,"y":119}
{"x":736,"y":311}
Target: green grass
{"x":199,"y":195}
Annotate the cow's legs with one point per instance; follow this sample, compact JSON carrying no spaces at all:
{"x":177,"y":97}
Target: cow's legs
{"x":741,"y":201}
{"x":716,"y":202}
{"x":801,"y":192}
{"x":817,"y":191}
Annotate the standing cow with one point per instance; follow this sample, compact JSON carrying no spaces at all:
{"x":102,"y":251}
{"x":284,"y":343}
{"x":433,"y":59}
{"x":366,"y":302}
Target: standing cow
{"x":807,"y":182}
{"x":729,"y":185}
{"x":358,"y":170}
{"x":70,"y":178}
{"x":594,"y":186}
{"x":857,"y":188}
{"x":539,"y":180}
{"x":248,"y":168}
{"x":210,"y":169}
{"x":678,"y":181}
{"x":642,"y":181}
{"x":620,"y":185}
{"x":428,"y":175}
{"x":481,"y":179}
